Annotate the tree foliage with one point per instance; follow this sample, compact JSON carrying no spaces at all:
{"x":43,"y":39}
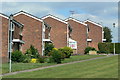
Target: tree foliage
{"x":107,"y":34}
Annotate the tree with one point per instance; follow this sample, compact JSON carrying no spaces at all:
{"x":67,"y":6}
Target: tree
{"x":107,"y":34}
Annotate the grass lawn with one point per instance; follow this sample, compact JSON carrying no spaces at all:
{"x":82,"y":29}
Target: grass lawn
{"x":24,"y":66}
{"x":100,"y":68}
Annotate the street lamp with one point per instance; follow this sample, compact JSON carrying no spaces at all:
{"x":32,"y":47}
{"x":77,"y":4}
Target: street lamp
{"x":114,"y":42}
{"x":10,"y":40}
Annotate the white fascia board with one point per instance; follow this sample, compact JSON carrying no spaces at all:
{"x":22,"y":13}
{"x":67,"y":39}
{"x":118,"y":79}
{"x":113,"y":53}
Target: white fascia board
{"x":89,"y":39}
{"x":54,"y":18}
{"x":4,"y":16}
{"x":28,"y":16}
{"x":18,"y":40}
{"x":103,"y":39}
{"x":47,"y":40}
{"x":71,"y":40}
{"x":76,"y":21}
{"x":93,"y":23}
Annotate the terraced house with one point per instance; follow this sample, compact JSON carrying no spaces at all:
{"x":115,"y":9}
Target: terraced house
{"x":95,"y":34}
{"x":59,"y":30}
{"x":30,"y":30}
{"x":5,"y":33}
{"x":79,"y":34}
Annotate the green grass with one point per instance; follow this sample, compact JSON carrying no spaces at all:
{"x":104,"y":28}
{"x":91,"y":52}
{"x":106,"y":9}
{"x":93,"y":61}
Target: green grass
{"x":80,"y":57}
{"x":100,"y":68}
{"x":25,"y":66}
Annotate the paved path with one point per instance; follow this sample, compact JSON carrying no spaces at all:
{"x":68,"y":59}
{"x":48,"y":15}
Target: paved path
{"x":12,"y":73}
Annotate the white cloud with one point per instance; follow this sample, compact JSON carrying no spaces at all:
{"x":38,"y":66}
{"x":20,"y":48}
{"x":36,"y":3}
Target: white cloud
{"x":105,"y":14}
{"x":84,"y":16}
{"x":35,"y":9}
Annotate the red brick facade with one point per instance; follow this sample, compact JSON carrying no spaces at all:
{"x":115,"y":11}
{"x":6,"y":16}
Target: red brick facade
{"x":58,"y":33}
{"x":5,"y":36}
{"x":78,"y":34}
{"x":32,"y":32}
{"x":4,"y":39}
{"x":95,"y":33}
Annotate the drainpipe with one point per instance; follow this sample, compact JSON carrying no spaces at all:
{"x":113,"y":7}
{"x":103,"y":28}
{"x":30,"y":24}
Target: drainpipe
{"x":67,"y":36}
{"x":87,"y":35}
{"x":43,"y":38}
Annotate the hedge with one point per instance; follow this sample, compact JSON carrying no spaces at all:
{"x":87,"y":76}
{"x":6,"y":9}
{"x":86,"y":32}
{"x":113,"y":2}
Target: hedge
{"x":109,"y":47}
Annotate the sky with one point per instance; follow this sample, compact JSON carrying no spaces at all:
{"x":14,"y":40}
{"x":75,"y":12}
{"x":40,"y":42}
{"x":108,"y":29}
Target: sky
{"x":105,"y":13}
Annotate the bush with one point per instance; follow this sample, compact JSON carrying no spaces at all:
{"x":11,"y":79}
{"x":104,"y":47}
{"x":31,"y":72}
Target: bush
{"x":32,"y":52}
{"x":48,"y":48}
{"x":67,"y":51}
{"x":117,"y":48}
{"x":27,"y":59}
{"x":56,"y":56}
{"x":49,"y":60}
{"x":109,"y":47}
{"x":17,"y":56}
{"x":105,"y":47}
{"x":63,"y":55}
{"x":33,"y":60}
{"x":41,"y":59}
{"x":87,"y":49}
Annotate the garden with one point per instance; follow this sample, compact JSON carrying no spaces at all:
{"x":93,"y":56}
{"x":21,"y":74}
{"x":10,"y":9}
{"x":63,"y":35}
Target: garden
{"x":99,"y":68}
{"x":52,"y":56}
{"x":32,"y":59}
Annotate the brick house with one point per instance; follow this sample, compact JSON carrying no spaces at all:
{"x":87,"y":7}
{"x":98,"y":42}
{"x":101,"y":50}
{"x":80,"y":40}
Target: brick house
{"x":16,"y":33}
{"x":32,"y":31}
{"x":79,"y":34}
{"x":58,"y":32}
{"x":95,"y":34}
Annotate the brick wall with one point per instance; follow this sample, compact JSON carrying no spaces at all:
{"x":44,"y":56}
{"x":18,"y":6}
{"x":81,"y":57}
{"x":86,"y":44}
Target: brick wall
{"x":95,"y":33}
{"x":79,"y":34}
{"x":58,"y":33}
{"x":32,"y":32}
{"x":4,"y":39}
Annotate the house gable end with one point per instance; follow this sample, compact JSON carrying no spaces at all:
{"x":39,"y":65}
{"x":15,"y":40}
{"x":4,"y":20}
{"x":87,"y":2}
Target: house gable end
{"x":56,"y":18}
{"x":29,"y":15}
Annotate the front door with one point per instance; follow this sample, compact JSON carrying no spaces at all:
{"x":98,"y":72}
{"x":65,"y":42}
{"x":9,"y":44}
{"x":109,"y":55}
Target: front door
{"x":16,"y":46}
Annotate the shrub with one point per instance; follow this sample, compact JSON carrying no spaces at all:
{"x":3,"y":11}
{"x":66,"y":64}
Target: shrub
{"x":87,"y":49}
{"x":109,"y":47}
{"x":41,"y":59}
{"x":27,"y":59}
{"x":17,"y":56}
{"x":102,"y":52}
{"x":32,"y":52}
{"x":48,"y":48}
{"x":67,"y":51}
{"x":33,"y":60}
{"x":63,"y":55}
{"x":117,"y":48}
{"x":49,"y":60}
{"x":56,"y":56}
{"x":105,"y":47}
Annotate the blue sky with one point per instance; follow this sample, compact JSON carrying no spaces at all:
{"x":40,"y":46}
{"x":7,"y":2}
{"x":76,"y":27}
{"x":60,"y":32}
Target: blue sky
{"x":105,"y":13}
